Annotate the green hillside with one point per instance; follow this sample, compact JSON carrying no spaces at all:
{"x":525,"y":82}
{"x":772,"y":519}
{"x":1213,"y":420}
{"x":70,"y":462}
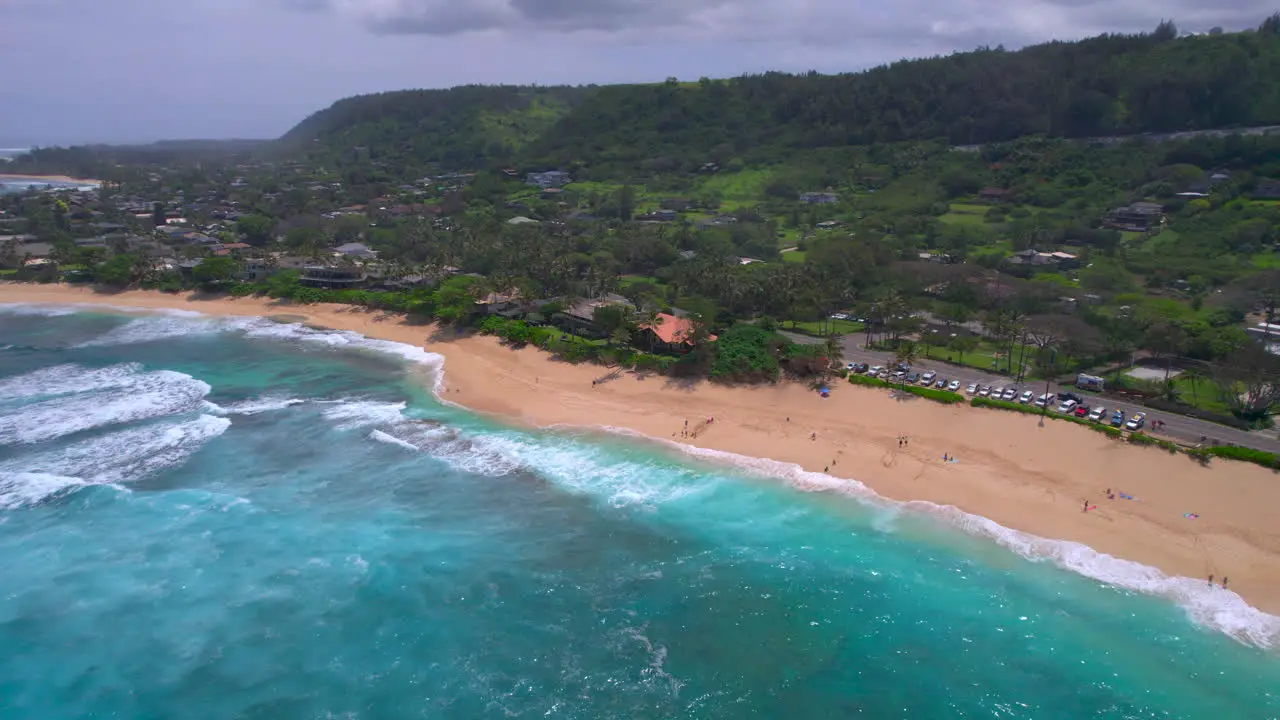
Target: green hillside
{"x":1107,"y":85}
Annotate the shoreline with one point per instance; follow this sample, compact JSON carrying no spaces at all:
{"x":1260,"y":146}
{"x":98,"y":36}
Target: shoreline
{"x":37,"y":179}
{"x":1011,"y":473}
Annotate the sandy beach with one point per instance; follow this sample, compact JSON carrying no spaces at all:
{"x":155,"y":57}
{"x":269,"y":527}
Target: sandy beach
{"x":37,"y":179}
{"x":1023,"y":476}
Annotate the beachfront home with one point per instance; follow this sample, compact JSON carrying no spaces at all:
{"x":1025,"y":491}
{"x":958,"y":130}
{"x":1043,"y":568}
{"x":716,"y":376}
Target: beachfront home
{"x":670,"y":334}
{"x":581,"y":315}
{"x":332,"y":277}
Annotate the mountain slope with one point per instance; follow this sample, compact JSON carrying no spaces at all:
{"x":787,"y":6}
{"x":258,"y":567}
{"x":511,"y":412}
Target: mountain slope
{"x":1108,"y":85}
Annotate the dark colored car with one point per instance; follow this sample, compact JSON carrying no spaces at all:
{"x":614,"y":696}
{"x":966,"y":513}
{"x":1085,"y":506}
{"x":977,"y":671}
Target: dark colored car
{"x":1117,"y":420}
{"x":1063,"y":397}
{"x":860,"y":367}
{"x":913,"y":378}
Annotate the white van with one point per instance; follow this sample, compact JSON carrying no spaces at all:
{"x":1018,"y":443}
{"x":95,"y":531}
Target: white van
{"x":1068,"y":407}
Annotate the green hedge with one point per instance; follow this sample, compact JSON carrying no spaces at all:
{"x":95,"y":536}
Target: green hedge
{"x":868,"y":381}
{"x":1257,"y":457}
{"x":945,"y":397}
{"x":1138,"y":438}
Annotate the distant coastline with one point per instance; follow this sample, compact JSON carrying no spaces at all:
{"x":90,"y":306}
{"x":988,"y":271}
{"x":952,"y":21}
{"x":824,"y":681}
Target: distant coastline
{"x":10,"y":178}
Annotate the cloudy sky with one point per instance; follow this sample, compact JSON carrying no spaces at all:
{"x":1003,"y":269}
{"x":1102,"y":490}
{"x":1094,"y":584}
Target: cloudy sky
{"x":75,"y":71}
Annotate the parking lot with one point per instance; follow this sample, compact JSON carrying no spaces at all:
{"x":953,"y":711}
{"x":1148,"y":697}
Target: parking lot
{"x":1178,"y":427}
{"x":1071,"y":403}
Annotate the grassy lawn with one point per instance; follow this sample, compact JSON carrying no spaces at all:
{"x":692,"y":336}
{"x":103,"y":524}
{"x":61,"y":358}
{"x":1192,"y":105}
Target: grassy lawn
{"x":983,"y":358}
{"x":1266,"y":261}
{"x":735,"y":189}
{"x":964,"y":214}
{"x":842,"y":327}
{"x":1202,"y":394}
{"x":796,"y":256}
{"x":7,"y":273}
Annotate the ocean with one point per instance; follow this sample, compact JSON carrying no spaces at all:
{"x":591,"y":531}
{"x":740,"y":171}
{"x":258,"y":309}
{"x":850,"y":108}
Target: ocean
{"x":236,"y":518}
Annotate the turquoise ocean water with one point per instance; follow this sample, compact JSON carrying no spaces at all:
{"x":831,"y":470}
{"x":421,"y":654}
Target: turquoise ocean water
{"x":207,"y":518}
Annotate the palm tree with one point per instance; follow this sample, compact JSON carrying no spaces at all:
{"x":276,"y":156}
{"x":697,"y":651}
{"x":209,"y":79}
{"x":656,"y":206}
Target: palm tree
{"x":834,"y":350}
{"x":652,"y":319}
{"x":1194,"y":374}
{"x":906,"y":354}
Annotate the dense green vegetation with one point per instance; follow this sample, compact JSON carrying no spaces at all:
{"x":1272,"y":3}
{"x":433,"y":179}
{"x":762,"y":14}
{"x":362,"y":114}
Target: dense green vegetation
{"x":684,"y":198}
{"x":1108,"y":85}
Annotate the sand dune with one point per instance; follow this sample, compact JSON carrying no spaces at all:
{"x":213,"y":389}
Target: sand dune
{"x":1011,"y":470}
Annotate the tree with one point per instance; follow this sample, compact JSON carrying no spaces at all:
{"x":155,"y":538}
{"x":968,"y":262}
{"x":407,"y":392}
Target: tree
{"x":216,"y":270}
{"x":116,"y":272}
{"x":906,"y":354}
{"x":608,"y":319}
{"x":963,"y":344}
{"x":833,"y":348}
{"x":1249,"y":381}
{"x":257,"y":229}
{"x":652,"y":319}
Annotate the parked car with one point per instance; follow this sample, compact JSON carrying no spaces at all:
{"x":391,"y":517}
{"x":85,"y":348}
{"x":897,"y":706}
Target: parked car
{"x":1070,"y":396}
{"x":858,"y":367}
{"x":1068,"y":407}
{"x":1044,"y":400}
{"x":897,"y":375}
{"x":1097,"y":414}
{"x":1136,"y":422}
{"x":1010,"y":394}
{"x":875,"y":370}
{"x":927,"y":378}
{"x":972,"y":389}
{"x":1027,"y":397}
{"x":985,"y":391}
{"x":954,"y":386}
{"x":1117,"y":420}
{"x":913,"y":378}
{"x":1082,"y":411}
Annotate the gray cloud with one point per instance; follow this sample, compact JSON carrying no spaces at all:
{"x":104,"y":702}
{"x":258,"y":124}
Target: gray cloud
{"x":830,"y":21}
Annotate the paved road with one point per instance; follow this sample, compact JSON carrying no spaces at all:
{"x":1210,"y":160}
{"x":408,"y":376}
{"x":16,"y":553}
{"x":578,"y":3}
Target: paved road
{"x":1178,"y":427}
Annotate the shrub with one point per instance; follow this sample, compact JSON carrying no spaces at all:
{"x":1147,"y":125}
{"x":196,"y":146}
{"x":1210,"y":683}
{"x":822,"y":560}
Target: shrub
{"x":868,"y":381}
{"x":745,"y":353}
{"x":1257,"y":457}
{"x":943,"y":396}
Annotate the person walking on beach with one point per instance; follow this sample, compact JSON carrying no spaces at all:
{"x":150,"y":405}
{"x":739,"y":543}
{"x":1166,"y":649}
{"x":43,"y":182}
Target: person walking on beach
{"x":1224,"y":582}
{"x":1086,"y":506}
{"x":1210,"y":580}
{"x":813,"y":436}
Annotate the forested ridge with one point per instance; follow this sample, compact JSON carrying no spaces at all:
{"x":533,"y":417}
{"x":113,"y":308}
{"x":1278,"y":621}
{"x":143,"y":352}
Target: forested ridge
{"x":1106,"y":85}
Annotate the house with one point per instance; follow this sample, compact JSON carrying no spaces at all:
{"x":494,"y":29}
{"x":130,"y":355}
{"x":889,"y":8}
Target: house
{"x":521,"y":220}
{"x":828,"y":224}
{"x":1138,"y":217}
{"x":581,"y":315}
{"x":1065,"y":260}
{"x":496,"y":302}
{"x":993,"y":195}
{"x":659,"y":216}
{"x":819,"y":198}
{"x":356,"y":250}
{"x":1267,"y":189}
{"x":552,"y":179}
{"x":331,"y":277}
{"x":670,"y":334}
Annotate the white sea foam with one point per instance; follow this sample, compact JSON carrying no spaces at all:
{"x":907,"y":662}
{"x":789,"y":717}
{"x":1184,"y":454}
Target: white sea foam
{"x":38,"y":309}
{"x":116,"y":395}
{"x":1216,"y":608}
{"x":123,"y":456}
{"x":253,"y":407}
{"x":156,"y":327}
{"x":27,"y":488}
{"x":356,"y":414}
{"x":67,"y":380}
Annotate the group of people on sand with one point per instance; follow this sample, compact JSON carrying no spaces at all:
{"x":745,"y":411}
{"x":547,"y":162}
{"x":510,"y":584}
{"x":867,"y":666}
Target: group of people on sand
{"x":1224,"y":581}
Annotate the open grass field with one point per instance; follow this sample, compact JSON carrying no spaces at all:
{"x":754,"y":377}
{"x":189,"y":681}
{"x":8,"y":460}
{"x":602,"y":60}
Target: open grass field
{"x":738,"y":189}
{"x":840,"y":327}
{"x":965,"y":214}
{"x":795,"y":256}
